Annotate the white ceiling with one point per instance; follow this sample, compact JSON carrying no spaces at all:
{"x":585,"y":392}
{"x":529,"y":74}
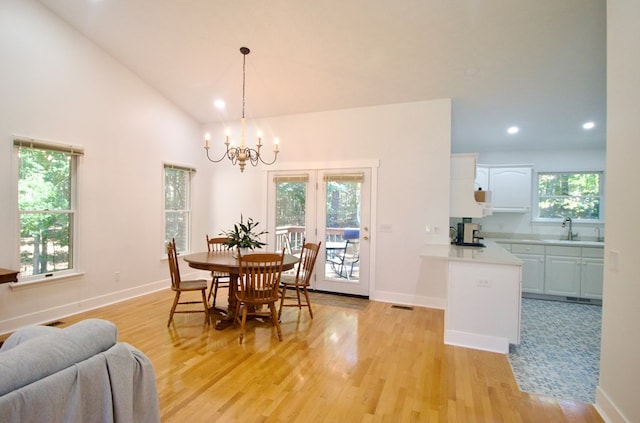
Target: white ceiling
{"x":538,"y":64}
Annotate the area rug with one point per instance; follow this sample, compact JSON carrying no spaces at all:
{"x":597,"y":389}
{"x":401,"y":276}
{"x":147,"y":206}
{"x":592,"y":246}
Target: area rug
{"x":559,"y":351}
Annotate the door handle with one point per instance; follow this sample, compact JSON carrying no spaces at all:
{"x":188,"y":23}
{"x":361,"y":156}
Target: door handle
{"x":366,"y":238}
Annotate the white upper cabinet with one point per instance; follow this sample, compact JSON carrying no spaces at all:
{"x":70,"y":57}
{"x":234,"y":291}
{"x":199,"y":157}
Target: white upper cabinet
{"x":482,"y":178}
{"x":510,"y":186}
{"x":462,"y":200}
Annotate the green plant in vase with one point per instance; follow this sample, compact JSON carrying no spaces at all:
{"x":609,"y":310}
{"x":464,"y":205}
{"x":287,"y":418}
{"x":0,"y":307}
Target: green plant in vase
{"x":244,"y":235}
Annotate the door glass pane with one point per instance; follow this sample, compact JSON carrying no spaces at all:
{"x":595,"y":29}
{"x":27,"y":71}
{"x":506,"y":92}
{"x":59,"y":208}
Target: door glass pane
{"x":343,"y":227}
{"x":290,"y":215}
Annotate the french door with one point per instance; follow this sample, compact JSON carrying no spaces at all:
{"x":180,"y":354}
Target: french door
{"x":328,"y":205}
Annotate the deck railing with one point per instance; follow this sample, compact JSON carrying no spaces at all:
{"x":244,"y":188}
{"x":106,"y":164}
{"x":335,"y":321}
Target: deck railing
{"x":293,"y":236}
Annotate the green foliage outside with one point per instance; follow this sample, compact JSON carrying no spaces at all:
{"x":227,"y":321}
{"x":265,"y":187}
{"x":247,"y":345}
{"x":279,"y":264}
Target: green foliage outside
{"x":46,"y":219}
{"x":574,"y":195}
{"x":291,"y":201}
{"x":176,"y":205}
{"x":343,"y":204}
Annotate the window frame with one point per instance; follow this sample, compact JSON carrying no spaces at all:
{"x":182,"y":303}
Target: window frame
{"x":75,"y":153}
{"x":189,"y":203}
{"x":536,"y":203}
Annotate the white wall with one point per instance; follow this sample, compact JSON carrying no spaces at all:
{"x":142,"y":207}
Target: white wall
{"x":58,"y":86}
{"x":520,"y":224}
{"x":61,"y":87}
{"x":619,"y":371}
{"x":411,"y":142}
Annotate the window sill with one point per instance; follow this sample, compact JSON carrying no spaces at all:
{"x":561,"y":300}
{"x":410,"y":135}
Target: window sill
{"x":37,"y":282}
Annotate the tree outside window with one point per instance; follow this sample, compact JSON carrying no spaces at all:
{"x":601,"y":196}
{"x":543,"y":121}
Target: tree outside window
{"x":46,"y":204}
{"x":177,"y":205}
{"x":576,"y":195}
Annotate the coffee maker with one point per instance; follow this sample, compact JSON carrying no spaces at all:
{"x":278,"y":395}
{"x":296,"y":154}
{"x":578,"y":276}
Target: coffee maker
{"x":468,"y":234}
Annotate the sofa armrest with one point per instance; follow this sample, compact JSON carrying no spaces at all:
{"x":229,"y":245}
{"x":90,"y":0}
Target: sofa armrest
{"x":46,"y":352}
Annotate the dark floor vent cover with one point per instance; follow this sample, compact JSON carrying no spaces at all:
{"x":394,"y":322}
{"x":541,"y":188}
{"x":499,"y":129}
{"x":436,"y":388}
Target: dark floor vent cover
{"x":402,"y":307}
{"x":54,"y":324}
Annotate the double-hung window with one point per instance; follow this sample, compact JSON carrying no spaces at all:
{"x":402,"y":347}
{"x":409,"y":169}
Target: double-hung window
{"x":47,"y":198}
{"x":177,"y":205}
{"x":578,"y":195}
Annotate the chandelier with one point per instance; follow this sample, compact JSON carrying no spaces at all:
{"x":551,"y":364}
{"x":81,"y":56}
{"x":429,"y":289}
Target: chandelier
{"x":240,"y":155}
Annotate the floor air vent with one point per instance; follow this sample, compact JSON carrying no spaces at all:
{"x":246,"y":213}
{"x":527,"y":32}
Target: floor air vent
{"x":402,"y":307}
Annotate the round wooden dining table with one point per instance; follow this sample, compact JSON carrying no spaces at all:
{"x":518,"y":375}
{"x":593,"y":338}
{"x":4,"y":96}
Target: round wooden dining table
{"x":224,"y":261}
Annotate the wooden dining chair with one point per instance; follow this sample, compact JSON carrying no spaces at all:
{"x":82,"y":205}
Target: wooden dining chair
{"x":218,"y":279}
{"x":179,"y":286}
{"x":301,"y":280}
{"x":258,"y":285}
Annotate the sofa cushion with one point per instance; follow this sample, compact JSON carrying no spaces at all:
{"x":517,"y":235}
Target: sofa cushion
{"x":25,"y":334}
{"x":36,"y":353}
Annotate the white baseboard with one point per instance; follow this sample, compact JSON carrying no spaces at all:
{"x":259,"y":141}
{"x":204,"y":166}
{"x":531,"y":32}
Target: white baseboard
{"x":476,"y":341}
{"x":607,"y":409}
{"x":59,"y":312}
{"x":410,"y":300}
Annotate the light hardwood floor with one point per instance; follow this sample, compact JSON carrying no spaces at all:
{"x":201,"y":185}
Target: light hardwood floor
{"x":380,"y":364}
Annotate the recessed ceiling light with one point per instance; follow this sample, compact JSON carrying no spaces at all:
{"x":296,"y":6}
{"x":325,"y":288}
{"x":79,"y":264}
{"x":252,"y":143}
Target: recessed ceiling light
{"x":219,"y":104}
{"x":588,"y":125}
{"x":513,"y":130}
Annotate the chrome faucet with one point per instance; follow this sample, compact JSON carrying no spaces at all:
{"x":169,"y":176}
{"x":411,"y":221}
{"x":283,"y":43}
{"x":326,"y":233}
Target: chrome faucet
{"x":597,"y":229}
{"x":570,"y":235}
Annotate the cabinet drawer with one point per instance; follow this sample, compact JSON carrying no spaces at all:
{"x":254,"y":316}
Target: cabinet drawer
{"x":555,"y":250}
{"x":504,"y":245}
{"x":593,"y":252}
{"x":527,"y":248}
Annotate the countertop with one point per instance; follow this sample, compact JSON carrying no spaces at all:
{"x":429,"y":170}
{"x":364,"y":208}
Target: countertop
{"x":491,"y":254}
{"x":563,"y":242}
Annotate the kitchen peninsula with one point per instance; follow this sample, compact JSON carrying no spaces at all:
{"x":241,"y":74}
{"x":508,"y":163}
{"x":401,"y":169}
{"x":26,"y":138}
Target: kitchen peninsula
{"x":483,"y":296}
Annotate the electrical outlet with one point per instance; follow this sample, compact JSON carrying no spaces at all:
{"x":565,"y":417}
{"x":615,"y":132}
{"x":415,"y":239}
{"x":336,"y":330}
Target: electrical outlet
{"x":116,"y":277}
{"x":428,"y":229}
{"x":484,"y":283}
{"x":385,"y":228}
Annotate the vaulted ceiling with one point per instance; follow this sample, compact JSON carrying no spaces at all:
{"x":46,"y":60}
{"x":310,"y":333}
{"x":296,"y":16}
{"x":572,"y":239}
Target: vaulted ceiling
{"x":537,"y":64}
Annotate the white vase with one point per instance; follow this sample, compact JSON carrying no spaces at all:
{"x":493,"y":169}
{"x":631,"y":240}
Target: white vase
{"x":243,"y":251}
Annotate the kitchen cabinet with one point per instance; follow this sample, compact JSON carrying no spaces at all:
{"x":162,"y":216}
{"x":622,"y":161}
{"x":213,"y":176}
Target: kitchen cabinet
{"x":505,"y":245}
{"x":482,"y":178}
{"x":574,"y":272}
{"x":462,"y":201}
{"x":510,"y":186}
{"x":533,"y":264}
{"x":591,"y":279}
{"x":562,"y":276}
{"x":560,"y":270}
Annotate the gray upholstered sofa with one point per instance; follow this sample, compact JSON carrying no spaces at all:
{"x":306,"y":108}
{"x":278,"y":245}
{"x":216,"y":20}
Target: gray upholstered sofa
{"x":76,"y":374}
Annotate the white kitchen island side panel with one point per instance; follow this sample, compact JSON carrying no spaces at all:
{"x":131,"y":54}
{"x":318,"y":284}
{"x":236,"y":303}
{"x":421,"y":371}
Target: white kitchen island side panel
{"x":483,"y":305}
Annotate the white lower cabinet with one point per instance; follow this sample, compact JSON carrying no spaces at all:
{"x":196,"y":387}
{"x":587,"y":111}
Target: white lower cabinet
{"x":532,"y":273}
{"x":532,"y":257}
{"x":564,"y":271}
{"x":592,"y":273}
{"x":562,"y":276}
